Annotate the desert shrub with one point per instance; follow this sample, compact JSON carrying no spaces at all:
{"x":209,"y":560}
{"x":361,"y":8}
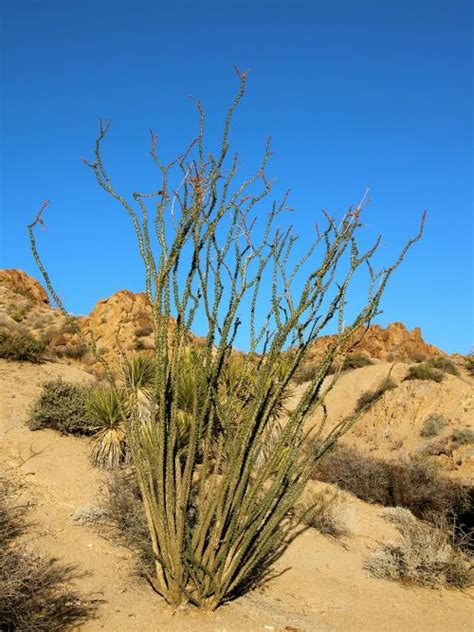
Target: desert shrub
{"x":469,"y":363}
{"x":355,"y":361}
{"x":325,"y":511}
{"x":62,"y":406}
{"x":369,"y":398}
{"x":423,"y":556}
{"x":75,"y":352}
{"x":444,"y":364}
{"x":123,"y":505}
{"x":144,"y":330}
{"x":463,"y":436}
{"x":433,"y":425}
{"x":218,"y":512}
{"x":305,"y":373}
{"x":424,"y":371}
{"x":104,"y":408}
{"x":415,"y":484}
{"x":69,"y":326}
{"x":12,"y":510}
{"x":35,"y":595}
{"x":47,"y":335}
{"x":21,"y":347}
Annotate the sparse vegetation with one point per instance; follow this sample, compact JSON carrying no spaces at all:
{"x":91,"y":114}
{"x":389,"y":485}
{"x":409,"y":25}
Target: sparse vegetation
{"x":62,"y":406}
{"x":35,"y":595}
{"x":351,"y":361}
{"x":305,"y":373}
{"x":469,"y":363}
{"x":369,"y":398}
{"x":415,"y":484}
{"x":433,"y":425}
{"x":444,"y":364}
{"x":424,"y":371}
{"x":423,"y":556}
{"x":74,"y":351}
{"x":325,"y":511}
{"x":123,"y":505}
{"x":20,"y":347}
{"x":355,"y":361}
{"x":463,"y":436}
{"x":144,"y":330}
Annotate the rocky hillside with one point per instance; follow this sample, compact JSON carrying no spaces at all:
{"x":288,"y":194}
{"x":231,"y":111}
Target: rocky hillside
{"x":123,"y":322}
{"x":319,"y":585}
{"x":394,"y":343}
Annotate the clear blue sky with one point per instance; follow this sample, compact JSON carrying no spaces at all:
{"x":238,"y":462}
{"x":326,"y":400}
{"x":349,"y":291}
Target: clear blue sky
{"x":353,"y":93}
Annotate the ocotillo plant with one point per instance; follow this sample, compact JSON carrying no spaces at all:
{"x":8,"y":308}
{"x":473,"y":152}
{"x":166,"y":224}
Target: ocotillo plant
{"x":219,"y":510}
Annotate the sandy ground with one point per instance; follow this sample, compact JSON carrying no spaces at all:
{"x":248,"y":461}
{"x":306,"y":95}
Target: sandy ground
{"x":321,"y":586}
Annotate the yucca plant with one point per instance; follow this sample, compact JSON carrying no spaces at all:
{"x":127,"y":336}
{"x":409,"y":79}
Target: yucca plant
{"x":106,"y":411}
{"x":219,"y":514}
{"x":138,"y":377}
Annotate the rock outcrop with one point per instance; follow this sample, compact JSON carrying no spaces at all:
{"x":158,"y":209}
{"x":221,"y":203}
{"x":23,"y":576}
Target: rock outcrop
{"x":394,"y":343}
{"x":123,"y":323}
{"x":21,"y":283}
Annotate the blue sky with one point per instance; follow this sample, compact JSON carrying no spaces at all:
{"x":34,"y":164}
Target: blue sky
{"x":353,"y":93}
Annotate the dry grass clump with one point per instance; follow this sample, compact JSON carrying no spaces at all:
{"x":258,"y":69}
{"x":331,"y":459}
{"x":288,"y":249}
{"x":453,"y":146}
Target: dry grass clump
{"x":424,"y":371}
{"x":469,"y":363}
{"x":74,"y":351}
{"x":12,"y":510}
{"x":62,"y":406}
{"x":20,"y":347}
{"x":123,"y":505}
{"x":352,"y":361}
{"x":326,"y":511}
{"x":34,"y":591}
{"x":305,"y":373}
{"x":415,"y":484}
{"x":35,"y":596}
{"x":433,"y":425}
{"x":355,"y":361}
{"x":422,"y":556}
{"x":369,"y":398}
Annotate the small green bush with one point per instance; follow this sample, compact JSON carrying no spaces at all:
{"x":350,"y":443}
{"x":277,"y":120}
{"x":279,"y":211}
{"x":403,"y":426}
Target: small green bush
{"x":433,"y":425}
{"x":424,"y":371}
{"x":21,"y":347}
{"x":463,"y":436}
{"x":369,"y":398}
{"x":355,"y":361}
{"x":62,"y":406}
{"x":444,"y":364}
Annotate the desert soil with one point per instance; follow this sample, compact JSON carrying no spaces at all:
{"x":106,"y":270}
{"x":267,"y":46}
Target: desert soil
{"x":321,"y":585}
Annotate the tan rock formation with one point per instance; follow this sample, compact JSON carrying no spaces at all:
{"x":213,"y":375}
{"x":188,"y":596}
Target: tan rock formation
{"x":394,"y":343}
{"x":21,"y":283}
